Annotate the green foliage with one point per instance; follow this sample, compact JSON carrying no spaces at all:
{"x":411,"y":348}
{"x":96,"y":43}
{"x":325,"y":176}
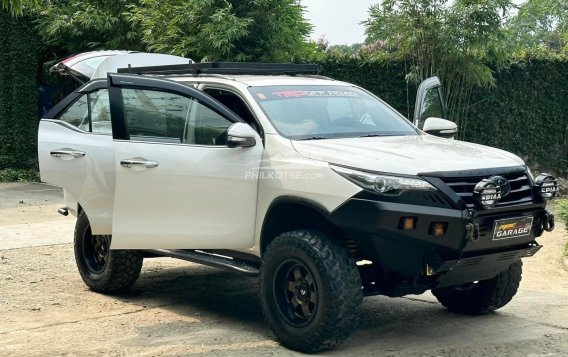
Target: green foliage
{"x":525,"y":112}
{"x":19,"y":175}
{"x":80,"y":25}
{"x":197,"y":29}
{"x":16,"y":7}
{"x":209,"y":30}
{"x":540,"y":23}
{"x":235,"y":30}
{"x":343,"y":50}
{"x":562,"y":211}
{"x":18,"y":107}
{"x":452,"y":40}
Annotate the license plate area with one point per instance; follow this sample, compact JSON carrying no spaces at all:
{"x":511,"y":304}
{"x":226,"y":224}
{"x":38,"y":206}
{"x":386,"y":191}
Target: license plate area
{"x":509,"y":228}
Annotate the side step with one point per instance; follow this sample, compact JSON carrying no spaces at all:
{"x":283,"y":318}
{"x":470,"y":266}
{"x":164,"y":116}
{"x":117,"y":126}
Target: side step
{"x":214,"y":260}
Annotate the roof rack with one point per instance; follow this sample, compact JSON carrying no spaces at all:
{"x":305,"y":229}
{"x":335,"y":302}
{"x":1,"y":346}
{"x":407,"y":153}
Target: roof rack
{"x":225,"y":68}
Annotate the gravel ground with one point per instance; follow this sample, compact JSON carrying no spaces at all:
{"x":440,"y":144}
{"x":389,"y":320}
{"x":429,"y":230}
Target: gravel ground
{"x":177,"y":308}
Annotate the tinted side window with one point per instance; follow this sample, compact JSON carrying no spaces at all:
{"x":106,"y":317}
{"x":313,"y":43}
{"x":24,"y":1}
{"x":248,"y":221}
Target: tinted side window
{"x":94,"y":118}
{"x":166,"y":117}
{"x":78,"y":114}
{"x":236,"y":104}
{"x":432,"y":106}
{"x":155,"y":116}
{"x":100,"y":112}
{"x":207,"y":127}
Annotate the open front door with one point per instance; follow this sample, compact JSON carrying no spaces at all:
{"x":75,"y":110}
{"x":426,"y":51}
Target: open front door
{"x":429,"y":102}
{"x":178,"y":184}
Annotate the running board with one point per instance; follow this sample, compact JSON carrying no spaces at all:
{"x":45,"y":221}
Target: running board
{"x":213,"y":260}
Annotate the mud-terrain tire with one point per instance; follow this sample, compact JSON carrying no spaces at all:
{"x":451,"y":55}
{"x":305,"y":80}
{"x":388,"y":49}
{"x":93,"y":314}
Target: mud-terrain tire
{"x":102,"y":269}
{"x":484,"y":296}
{"x":307,"y":261}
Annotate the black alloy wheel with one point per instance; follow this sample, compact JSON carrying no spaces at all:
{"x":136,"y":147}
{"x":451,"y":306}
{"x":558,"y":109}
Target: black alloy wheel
{"x":96,"y":250}
{"x":295,"y":292}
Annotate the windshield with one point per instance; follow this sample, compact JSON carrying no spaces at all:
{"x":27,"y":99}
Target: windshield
{"x":321,"y":112}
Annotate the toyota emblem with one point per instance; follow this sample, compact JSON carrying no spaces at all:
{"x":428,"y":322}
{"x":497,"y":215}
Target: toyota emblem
{"x":503,"y":184}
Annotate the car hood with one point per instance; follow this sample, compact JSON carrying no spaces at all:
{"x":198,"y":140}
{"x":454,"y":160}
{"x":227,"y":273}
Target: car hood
{"x":408,"y":155}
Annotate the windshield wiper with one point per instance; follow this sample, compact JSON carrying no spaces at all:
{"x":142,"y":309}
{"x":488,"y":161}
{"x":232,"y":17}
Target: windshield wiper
{"x":315,"y":138}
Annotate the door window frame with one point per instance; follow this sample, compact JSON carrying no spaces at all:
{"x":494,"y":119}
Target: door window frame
{"x":116,"y":82}
{"x":55,"y":113}
{"x":423,"y":88}
{"x":89,"y":114}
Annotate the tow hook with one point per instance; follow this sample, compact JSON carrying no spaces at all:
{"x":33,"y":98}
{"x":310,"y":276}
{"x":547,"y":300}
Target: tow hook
{"x":548,"y":221}
{"x":472,"y":232}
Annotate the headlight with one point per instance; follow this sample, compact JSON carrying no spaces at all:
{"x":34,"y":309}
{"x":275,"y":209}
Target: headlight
{"x":547,"y":186}
{"x":383,"y":184}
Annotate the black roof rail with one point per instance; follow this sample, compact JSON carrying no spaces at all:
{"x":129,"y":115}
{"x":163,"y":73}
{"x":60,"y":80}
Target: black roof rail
{"x":225,"y":68}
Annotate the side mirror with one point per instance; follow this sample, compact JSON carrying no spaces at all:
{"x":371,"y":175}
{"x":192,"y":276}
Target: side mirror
{"x":440,"y":127}
{"x":241,"y":135}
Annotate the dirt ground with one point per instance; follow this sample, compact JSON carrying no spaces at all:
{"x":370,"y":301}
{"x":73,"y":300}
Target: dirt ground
{"x":177,"y":308}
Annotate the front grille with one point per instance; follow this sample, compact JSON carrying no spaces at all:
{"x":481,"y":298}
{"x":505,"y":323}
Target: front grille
{"x":521,"y":191}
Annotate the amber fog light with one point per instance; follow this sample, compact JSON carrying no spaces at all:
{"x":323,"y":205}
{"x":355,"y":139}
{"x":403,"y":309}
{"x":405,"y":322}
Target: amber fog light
{"x":407,"y":223}
{"x":547,"y":186}
{"x":438,"y":229}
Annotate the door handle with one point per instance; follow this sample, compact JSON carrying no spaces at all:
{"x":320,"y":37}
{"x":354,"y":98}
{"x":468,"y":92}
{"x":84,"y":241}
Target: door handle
{"x":139,"y":163}
{"x":67,"y":153}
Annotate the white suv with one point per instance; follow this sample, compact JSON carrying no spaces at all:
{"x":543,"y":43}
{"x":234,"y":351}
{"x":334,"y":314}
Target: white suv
{"x":315,"y":185}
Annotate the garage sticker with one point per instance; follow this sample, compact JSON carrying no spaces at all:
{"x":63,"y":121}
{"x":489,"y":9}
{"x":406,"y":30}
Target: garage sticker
{"x":512,"y":228}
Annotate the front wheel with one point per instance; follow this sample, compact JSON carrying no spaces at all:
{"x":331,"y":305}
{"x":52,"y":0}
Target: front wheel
{"x":102,"y":269}
{"x":310,"y":291}
{"x":483,"y":296}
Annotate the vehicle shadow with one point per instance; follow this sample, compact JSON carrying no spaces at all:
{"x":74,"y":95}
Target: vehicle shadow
{"x":201,"y":292}
{"x":228,"y":302}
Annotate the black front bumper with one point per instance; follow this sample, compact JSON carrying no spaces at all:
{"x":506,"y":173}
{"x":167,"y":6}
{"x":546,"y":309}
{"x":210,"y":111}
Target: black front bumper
{"x":411,"y":261}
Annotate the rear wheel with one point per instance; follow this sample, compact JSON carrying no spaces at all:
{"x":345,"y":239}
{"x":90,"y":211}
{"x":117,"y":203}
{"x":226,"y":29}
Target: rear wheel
{"x":102,"y":269}
{"x":483,"y":296}
{"x":310,"y":291}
